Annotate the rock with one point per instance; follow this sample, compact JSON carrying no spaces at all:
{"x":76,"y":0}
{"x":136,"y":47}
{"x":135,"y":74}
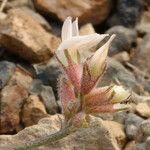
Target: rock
{"x":143,"y":26}
{"x":45,"y":126}
{"x":105,"y":116}
{"x":141,"y":58}
{"x":120,"y":117}
{"x":132,"y":123}
{"x":52,"y":72}
{"x":116,"y":71}
{"x":98,"y":136}
{"x":131,"y":131}
{"x":123,"y":40}
{"x":33,"y":110}
{"x":12,"y":98}
{"x":143,"y":109}
{"x":147,"y":142}
{"x":87,"y":29}
{"x":128,"y":13}
{"x":17,"y":3}
{"x":23,"y":36}
{"x":133,"y":119}
{"x":21,"y":77}
{"x":145,"y":128}
{"x":36,"y":87}
{"x":49,"y":100}
{"x":2,"y":16}
{"x":118,"y":131}
{"x":46,"y":94}
{"x":37,"y":17}
{"x":87,"y":11}
{"x":122,"y":57}
{"x":6,"y":71}
{"x":140,"y":146}
{"x":129,"y":145}
{"x":142,"y":140}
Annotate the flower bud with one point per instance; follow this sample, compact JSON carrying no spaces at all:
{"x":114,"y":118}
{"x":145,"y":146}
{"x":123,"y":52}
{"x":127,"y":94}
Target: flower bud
{"x":119,"y":94}
{"x":97,"y":61}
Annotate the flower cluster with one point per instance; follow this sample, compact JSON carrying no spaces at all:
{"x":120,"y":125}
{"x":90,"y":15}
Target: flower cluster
{"x":77,"y":90}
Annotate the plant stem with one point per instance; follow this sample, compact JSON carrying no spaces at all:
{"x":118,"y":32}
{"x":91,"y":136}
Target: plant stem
{"x":46,"y":139}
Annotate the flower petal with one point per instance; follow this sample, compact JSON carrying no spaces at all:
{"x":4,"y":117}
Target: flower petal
{"x":75,"y":30}
{"x":77,"y":41}
{"x":66,"y":32}
{"x":119,"y":94}
{"x":120,"y":107}
{"x":99,"y":58}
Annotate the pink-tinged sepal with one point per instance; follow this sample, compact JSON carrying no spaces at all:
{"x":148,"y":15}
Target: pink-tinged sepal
{"x":97,"y":97}
{"x":100,"y":109}
{"x":89,"y":81}
{"x":73,"y":71}
{"x":66,"y":92}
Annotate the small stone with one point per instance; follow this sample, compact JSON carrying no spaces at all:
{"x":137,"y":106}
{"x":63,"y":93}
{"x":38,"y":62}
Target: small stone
{"x":129,"y":145}
{"x":144,"y":26}
{"x":147,"y":142}
{"x":17,"y":3}
{"x":6,"y":71}
{"x":49,"y":100}
{"x":143,"y":109}
{"x":105,"y":116}
{"x":141,"y":58}
{"x":37,"y":17}
{"x":128,"y":13}
{"x":131,"y":131}
{"x":133,"y":119}
{"x":36,"y":87}
{"x":116,"y":71}
{"x":25,"y":37}
{"x":120,"y":117}
{"x":21,"y":77}
{"x":145,"y":128}
{"x":87,"y":29}
{"x":139,"y":146}
{"x":12,"y":98}
{"x":33,"y":110}
{"x":123,"y":40}
{"x":52,"y":72}
{"x":2,"y":16}
{"x":132,"y":123}
{"x":122,"y":57}
{"x":87,"y":11}
{"x":118,"y":131}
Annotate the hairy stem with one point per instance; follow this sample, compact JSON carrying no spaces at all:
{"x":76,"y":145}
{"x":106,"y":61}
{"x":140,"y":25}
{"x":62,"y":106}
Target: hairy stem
{"x":46,"y":139}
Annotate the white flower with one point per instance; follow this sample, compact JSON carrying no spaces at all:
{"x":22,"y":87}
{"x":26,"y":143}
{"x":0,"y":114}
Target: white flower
{"x":119,"y":94}
{"x":97,"y":61}
{"x":73,"y":41}
{"x":119,"y":106}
